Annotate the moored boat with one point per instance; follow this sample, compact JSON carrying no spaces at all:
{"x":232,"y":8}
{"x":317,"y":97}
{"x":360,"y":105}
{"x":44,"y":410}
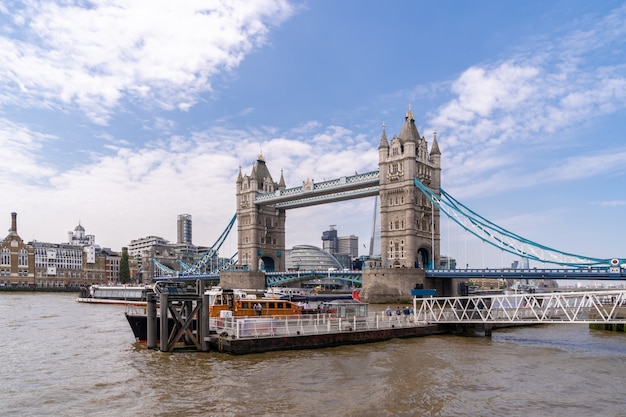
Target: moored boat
{"x":224,"y":304}
{"x":114,"y":294}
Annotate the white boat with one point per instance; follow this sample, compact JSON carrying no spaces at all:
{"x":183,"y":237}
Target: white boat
{"x":284,"y":292}
{"x":114,"y":294}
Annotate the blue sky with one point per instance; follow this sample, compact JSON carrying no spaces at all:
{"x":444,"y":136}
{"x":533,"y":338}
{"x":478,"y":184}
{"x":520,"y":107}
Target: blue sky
{"x":121,"y":115}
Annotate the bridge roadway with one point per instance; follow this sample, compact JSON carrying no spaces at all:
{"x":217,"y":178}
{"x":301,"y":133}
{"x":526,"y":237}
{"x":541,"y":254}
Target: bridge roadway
{"x":608,"y":307}
{"x":355,"y":277}
{"x":340,"y":189}
{"x":595,"y":273}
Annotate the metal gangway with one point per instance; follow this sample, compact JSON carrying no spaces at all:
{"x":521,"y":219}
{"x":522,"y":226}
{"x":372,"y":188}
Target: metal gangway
{"x":590,"y":307}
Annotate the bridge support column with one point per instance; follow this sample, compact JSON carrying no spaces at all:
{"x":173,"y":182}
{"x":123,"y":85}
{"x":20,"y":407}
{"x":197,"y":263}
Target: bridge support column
{"x":253,"y":280}
{"x":390,"y":285}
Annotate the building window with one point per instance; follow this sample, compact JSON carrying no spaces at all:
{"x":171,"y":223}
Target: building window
{"x":22,"y":258}
{"x":6,"y":257}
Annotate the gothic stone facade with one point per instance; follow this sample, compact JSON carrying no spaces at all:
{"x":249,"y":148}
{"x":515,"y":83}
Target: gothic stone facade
{"x":409,"y":231}
{"x":260,"y":229}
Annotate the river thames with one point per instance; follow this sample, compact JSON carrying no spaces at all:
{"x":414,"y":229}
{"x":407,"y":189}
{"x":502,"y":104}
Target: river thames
{"x":63,"y":358}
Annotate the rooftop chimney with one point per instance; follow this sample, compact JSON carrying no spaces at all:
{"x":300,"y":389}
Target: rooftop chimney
{"x":13,"y":228}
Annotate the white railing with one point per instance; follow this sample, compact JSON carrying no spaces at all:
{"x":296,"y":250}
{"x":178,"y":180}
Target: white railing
{"x":567,"y":307}
{"x":305,"y":324}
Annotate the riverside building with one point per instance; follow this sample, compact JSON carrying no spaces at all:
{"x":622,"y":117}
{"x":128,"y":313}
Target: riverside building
{"x":51,"y":265}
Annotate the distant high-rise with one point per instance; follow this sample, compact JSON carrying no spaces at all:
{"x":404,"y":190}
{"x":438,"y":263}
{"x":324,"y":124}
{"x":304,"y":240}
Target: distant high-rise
{"x":184,"y":228}
{"x":336,"y":245}
{"x":329,"y":240}
{"x":348,"y":245}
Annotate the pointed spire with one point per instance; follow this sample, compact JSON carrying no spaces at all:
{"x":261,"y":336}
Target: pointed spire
{"x":409,"y":132}
{"x":239,"y":176}
{"x":281,"y":182}
{"x":384,"y":143}
{"x":434,"y":150}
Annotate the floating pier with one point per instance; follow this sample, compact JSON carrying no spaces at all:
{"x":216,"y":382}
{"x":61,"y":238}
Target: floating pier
{"x":189,"y":326}
{"x":308,"y":331}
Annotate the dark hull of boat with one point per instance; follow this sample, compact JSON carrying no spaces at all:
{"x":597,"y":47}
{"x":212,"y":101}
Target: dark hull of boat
{"x":139,"y":325}
{"x":269,"y":344}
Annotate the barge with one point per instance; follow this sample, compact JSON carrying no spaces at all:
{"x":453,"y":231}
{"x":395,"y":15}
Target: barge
{"x":310,"y":332}
{"x":231,"y":324}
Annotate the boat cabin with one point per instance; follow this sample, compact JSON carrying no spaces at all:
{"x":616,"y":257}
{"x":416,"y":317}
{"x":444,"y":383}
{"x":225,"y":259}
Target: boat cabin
{"x":121,"y":292}
{"x":223,"y":303}
{"x":342,"y":309}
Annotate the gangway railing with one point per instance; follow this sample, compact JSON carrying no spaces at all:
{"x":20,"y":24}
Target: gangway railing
{"x":554,"y":307}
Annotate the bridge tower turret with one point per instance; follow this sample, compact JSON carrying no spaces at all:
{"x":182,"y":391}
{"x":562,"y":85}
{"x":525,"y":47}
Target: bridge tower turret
{"x":260,"y":229}
{"x":409,"y":231}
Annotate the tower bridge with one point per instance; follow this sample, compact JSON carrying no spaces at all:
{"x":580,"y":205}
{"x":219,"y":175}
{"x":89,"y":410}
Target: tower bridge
{"x":408,"y":184}
{"x":409,"y":222}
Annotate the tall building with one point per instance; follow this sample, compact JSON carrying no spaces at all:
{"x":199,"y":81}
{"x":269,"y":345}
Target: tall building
{"x":329,"y":240}
{"x":348,"y":245}
{"x":184,"y":228}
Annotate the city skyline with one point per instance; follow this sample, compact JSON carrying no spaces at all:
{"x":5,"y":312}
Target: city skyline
{"x":122,"y":116}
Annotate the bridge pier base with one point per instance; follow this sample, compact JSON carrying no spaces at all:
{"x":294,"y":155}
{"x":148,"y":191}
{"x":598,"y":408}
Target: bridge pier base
{"x":394,"y":285}
{"x":251,"y":280}
{"x":391,"y":285}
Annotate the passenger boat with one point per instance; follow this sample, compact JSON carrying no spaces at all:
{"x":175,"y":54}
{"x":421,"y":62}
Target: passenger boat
{"x":226,"y":304}
{"x":114,"y":294}
{"x":284,"y":292}
{"x":300,"y":295}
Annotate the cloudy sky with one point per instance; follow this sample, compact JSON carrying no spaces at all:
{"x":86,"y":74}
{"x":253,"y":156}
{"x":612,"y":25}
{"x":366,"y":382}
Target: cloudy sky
{"x":121,"y":115}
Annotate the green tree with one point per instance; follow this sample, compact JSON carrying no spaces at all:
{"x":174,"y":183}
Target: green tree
{"x":124,"y":267}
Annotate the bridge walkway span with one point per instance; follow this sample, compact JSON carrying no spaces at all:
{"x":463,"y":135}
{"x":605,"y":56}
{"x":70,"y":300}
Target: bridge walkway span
{"x":608,"y":307}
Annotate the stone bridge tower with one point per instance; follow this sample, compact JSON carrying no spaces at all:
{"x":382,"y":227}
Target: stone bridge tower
{"x":409,"y":224}
{"x":260,"y":228}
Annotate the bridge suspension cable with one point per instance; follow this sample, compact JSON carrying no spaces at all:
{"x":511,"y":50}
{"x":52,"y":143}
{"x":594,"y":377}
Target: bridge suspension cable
{"x":169,"y":272}
{"x":196,"y":268}
{"x":215,"y":248}
{"x":503,"y":239}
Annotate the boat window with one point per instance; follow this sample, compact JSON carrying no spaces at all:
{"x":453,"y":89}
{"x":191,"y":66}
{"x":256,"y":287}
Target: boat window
{"x":272,"y":305}
{"x":245,"y":305}
{"x":281,"y":305}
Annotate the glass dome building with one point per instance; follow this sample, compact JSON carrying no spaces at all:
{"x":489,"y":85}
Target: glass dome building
{"x":310,"y":258}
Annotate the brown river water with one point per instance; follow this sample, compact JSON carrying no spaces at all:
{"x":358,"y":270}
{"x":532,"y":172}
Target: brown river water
{"x":62,"y":358}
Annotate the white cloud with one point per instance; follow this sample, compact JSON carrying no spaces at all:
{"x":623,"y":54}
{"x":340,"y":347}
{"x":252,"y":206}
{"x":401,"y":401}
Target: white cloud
{"x":23,"y":160}
{"x":498,"y":110}
{"x":161,"y":53}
